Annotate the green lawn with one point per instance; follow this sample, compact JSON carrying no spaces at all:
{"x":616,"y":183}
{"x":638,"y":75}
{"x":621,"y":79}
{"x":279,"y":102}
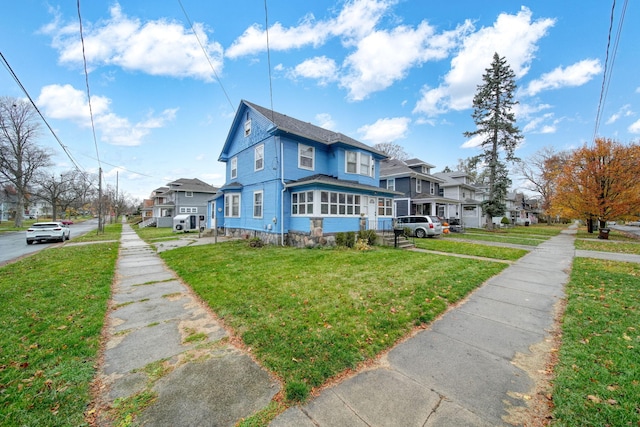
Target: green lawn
{"x":470,"y":248}
{"x":310,"y":314}
{"x":154,"y":234}
{"x":110,"y":232}
{"x":623,"y":247}
{"x":53,"y":308}
{"x":598,"y":375}
{"x":479,"y":235}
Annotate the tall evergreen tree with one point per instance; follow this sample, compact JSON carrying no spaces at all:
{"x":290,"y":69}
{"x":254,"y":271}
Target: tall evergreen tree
{"x":495,"y":123}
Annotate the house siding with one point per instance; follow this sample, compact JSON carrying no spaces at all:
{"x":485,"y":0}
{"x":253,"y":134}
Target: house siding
{"x":282,"y":138}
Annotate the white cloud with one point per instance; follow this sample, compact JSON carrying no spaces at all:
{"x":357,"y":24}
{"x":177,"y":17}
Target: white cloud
{"x":635,"y":127}
{"x":383,"y":57}
{"x":624,"y":111}
{"x":474,"y":142}
{"x":356,"y":19}
{"x":514,"y":37}
{"x":321,"y":68}
{"x":573,"y":75}
{"x":378,"y":58}
{"x":385,"y":130}
{"x":325,"y":121}
{"x":67,"y":103}
{"x":158,"y":47}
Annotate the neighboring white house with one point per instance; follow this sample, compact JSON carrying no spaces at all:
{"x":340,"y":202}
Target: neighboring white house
{"x":467,"y":208}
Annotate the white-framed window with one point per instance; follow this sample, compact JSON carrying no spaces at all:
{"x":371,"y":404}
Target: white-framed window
{"x":418,"y":185}
{"x":306,"y":157}
{"x":259,"y":157}
{"x":432,"y":188}
{"x":232,"y":205}
{"x":302,"y":203}
{"x":352,"y":162}
{"x":359,"y":163}
{"x":247,"y":127}
{"x":385,"y":206}
{"x":188,"y":210}
{"x":391,"y":184}
{"x":257,"y":204}
{"x":188,"y":194}
{"x":234,"y":168}
{"x":334,"y":203}
{"x":365,"y":164}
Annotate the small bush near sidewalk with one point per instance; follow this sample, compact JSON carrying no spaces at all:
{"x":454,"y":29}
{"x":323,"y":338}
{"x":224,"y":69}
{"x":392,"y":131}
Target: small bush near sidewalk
{"x":598,"y":374}
{"x":310,"y":314}
{"x":53,"y":308}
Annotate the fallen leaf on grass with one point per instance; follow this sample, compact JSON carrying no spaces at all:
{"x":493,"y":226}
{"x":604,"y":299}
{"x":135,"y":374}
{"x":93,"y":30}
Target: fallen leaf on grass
{"x":594,"y":399}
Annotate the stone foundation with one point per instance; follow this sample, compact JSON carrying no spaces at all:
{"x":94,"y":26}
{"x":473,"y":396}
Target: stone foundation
{"x":315,"y":237}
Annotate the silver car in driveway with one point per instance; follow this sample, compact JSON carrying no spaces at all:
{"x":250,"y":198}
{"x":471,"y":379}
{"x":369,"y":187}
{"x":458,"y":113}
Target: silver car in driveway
{"x":420,"y":225}
{"x":47,"y":232}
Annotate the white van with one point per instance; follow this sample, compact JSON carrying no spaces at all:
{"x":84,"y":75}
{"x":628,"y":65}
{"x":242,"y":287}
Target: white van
{"x":420,"y":225}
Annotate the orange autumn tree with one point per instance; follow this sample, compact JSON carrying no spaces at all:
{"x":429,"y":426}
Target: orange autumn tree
{"x":600,"y":183}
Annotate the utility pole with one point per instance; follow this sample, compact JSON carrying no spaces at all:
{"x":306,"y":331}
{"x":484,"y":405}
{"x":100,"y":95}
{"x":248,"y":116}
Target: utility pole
{"x":100,"y":225}
{"x":116,"y":208}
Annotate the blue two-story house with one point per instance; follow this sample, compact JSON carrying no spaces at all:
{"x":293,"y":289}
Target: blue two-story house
{"x":292,"y":183}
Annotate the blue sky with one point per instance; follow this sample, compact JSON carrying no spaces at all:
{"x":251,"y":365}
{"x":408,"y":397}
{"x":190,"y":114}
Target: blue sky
{"x":402,"y":71}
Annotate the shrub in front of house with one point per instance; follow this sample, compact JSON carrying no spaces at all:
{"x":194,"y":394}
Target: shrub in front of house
{"x":347,"y":240}
{"x":370,"y":236}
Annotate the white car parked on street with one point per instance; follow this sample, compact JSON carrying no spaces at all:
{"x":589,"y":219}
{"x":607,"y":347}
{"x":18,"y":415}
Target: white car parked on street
{"x":48,"y":231}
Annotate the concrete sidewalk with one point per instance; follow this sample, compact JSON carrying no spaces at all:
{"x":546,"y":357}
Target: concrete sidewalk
{"x":205,"y":382}
{"x":464,"y":370}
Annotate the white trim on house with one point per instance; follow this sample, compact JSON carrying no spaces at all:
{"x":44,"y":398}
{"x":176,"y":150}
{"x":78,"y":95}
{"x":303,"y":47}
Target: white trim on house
{"x":306,"y":157}
{"x":258,"y":158}
{"x":234,"y":168}
{"x":258,"y":203}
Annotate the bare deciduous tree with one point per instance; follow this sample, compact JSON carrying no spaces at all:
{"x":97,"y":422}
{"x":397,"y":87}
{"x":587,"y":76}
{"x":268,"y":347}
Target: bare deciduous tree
{"x":20,"y":157}
{"x":393,"y":150}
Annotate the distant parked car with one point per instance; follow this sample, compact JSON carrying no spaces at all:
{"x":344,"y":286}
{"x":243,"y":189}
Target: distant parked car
{"x":47,"y":232}
{"x":66,"y":221}
{"x":420,"y":225}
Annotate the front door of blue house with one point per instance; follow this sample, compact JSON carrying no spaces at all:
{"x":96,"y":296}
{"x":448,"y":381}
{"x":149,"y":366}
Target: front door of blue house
{"x":371,"y":213}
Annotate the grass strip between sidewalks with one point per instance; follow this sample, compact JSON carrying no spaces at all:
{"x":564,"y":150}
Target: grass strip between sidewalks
{"x":309,"y":315}
{"x":470,"y":248}
{"x":53,"y":308}
{"x":598,"y":374}
{"x":498,"y":237}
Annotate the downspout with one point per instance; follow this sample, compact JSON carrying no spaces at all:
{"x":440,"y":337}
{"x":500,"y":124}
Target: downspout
{"x":282,"y":191}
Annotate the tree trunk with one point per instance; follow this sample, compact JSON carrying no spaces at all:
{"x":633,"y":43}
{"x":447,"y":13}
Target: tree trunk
{"x":590,"y":225}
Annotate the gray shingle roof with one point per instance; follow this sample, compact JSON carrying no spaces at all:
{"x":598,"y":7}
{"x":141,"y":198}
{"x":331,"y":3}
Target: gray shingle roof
{"x":307,"y":130}
{"x":192,"y":184}
{"x":330,"y":180}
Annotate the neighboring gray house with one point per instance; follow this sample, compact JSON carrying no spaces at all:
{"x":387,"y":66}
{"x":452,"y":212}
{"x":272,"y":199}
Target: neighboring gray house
{"x":182,"y":196}
{"x":420,"y":189}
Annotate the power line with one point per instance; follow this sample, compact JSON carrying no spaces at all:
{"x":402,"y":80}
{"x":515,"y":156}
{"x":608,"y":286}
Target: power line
{"x":206,"y":55}
{"x":86,"y":80}
{"x":608,"y":69}
{"x":266,"y":26}
{"x":26,"y":93}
